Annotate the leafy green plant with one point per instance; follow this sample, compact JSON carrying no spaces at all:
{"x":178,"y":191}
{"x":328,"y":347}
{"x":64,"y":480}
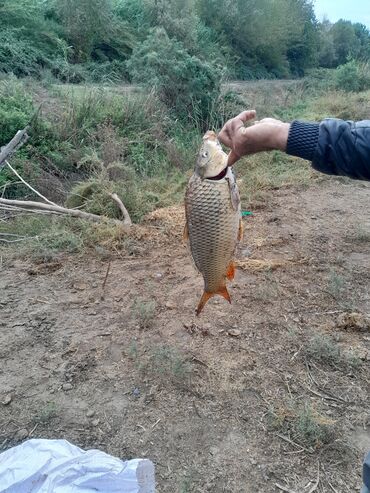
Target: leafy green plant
{"x":184,"y":82}
{"x":144,"y":312}
{"x":312,"y":429}
{"x":353,"y":76}
{"x":168,"y":362}
{"x":303,"y":423}
{"x":326,"y":350}
{"x":46,"y":413}
{"x":336,"y":284}
{"x":16,"y":108}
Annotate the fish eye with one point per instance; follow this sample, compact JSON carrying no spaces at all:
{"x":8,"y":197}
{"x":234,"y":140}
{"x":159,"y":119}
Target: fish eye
{"x":205,"y":154}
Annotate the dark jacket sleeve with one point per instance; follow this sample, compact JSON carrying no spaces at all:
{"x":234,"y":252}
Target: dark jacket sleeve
{"x":366,"y":475}
{"x":335,"y":147}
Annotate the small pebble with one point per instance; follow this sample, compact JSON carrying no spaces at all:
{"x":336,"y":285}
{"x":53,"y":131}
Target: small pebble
{"x":21,"y":434}
{"x":213,"y":450}
{"x":234,"y":332}
{"x":95,"y":422}
{"x":7,"y":400}
{"x":90,"y":413}
{"x":136,"y":392}
{"x":67,"y":386}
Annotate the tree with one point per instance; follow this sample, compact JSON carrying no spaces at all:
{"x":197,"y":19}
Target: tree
{"x":186,"y":84}
{"x":363,"y":35}
{"x":93,"y":29}
{"x":302,"y":50}
{"x":347,"y":45}
{"x":28,"y":40}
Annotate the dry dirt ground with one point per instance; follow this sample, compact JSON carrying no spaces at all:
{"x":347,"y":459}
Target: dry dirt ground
{"x":271,"y":390}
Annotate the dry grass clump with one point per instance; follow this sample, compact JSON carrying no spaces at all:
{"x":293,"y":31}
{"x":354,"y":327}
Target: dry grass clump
{"x":302,"y":424}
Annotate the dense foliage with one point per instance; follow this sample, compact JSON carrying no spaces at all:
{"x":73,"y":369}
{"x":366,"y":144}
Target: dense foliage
{"x":248,"y":38}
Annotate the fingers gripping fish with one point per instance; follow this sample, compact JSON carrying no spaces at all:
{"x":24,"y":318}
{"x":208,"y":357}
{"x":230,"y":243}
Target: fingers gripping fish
{"x":213,"y":218}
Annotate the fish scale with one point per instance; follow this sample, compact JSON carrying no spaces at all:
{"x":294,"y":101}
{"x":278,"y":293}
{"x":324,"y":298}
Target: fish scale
{"x":213,"y":226}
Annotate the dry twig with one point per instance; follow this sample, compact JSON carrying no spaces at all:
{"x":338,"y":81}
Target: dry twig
{"x":288,"y":440}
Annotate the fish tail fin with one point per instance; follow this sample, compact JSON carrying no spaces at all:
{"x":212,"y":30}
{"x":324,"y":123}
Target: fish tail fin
{"x":207,"y":296}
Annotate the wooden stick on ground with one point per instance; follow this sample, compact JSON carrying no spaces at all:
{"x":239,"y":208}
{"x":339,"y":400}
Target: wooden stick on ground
{"x":126,"y":216}
{"x":39,"y":206}
{"x":17,"y":141}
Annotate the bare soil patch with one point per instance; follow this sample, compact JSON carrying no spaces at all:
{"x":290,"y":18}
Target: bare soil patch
{"x":272,"y":390}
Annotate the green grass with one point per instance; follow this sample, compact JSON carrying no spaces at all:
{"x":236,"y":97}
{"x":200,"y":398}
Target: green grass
{"x":45,"y":236}
{"x":46,"y":413}
{"x":144,"y":313}
{"x":268,"y":171}
{"x":325,"y":350}
{"x":168,"y":361}
{"x":303,"y":424}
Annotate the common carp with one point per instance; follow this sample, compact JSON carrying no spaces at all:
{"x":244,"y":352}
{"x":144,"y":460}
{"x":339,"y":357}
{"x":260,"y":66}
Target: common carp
{"x":213,"y":218}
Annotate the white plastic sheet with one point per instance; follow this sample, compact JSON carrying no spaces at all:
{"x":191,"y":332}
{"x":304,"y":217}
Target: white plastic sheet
{"x":56,"y":466}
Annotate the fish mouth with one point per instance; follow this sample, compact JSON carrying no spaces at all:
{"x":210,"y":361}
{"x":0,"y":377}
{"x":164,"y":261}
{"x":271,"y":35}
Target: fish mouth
{"x":220,"y":176}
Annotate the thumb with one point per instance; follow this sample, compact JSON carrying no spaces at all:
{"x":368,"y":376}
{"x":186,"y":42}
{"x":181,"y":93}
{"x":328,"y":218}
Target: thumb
{"x":232,"y":159}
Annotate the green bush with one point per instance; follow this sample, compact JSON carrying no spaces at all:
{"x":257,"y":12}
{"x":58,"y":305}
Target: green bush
{"x":93,"y":196}
{"x":185,"y":83}
{"x":353,"y":76}
{"x":16,"y":109}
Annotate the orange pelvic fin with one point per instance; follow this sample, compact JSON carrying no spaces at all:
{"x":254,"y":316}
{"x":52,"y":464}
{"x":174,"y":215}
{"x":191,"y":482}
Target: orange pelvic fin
{"x":206,"y":296}
{"x":230,"y":273}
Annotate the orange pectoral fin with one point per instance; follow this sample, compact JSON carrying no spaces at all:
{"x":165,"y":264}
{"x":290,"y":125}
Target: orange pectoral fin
{"x":206,"y":296}
{"x":230,"y":273}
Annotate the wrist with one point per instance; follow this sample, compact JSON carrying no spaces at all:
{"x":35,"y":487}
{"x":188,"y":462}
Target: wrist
{"x":280,"y":137}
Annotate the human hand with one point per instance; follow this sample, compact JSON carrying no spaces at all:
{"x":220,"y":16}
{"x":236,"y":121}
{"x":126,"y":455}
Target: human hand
{"x":265,"y":135}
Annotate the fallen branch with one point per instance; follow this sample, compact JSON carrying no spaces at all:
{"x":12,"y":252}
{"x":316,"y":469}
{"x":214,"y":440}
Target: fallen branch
{"x":40,"y":207}
{"x":17,"y":141}
{"x":9,"y":208}
{"x":28,"y":185}
{"x":126,"y":216}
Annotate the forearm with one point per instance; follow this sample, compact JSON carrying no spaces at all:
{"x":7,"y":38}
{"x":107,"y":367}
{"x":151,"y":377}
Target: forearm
{"x":335,"y":147}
